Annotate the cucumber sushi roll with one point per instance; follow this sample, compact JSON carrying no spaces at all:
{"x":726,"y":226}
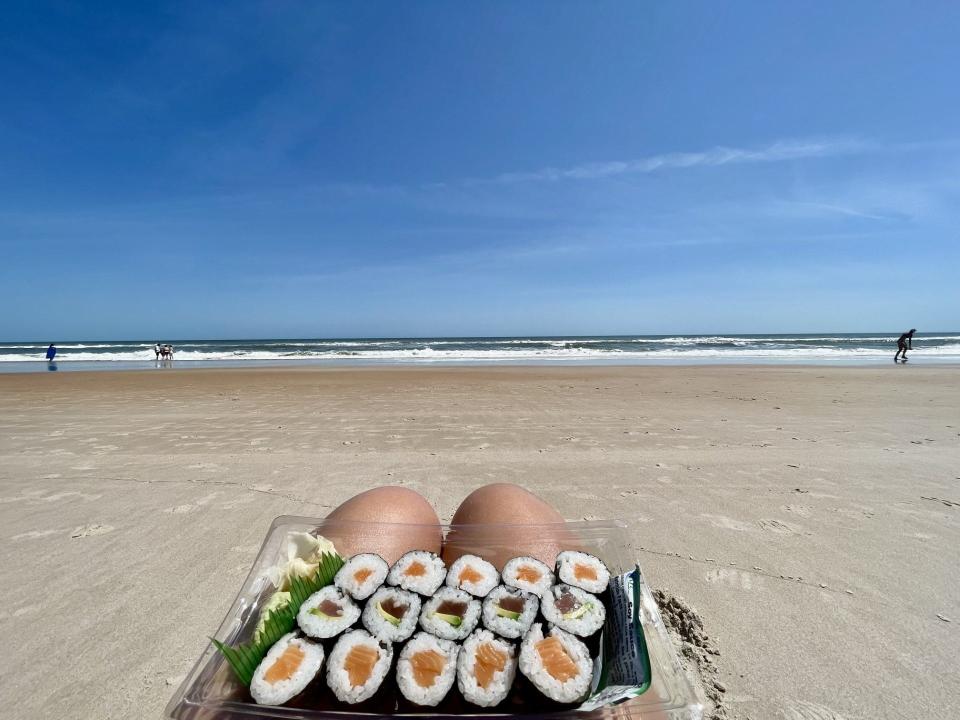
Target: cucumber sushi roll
{"x":427,"y":668}
{"x":558,"y":664}
{"x":583,"y":571}
{"x":509,"y":612}
{"x":573,"y":610}
{"x":486,"y":668}
{"x":451,"y":614}
{"x":289,"y":666}
{"x":418,"y":571}
{"x":361,"y":575}
{"x":391,"y":614}
{"x":357,"y":666}
{"x":328,"y":612}
{"x":473,"y":574}
{"x":529,"y":574}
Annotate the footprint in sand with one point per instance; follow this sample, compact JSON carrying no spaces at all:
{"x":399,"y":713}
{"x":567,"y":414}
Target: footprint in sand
{"x":733,"y":579}
{"x":90,"y":530}
{"x":776,"y":526}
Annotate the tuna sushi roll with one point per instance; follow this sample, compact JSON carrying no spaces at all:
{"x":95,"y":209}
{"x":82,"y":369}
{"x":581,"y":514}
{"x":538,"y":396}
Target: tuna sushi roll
{"x":473,"y":574}
{"x":583,"y":571}
{"x":418,"y":571}
{"x":327,"y":612}
{"x":486,"y":668}
{"x":529,"y":574}
{"x":573,"y":610}
{"x":427,"y":668}
{"x":361,"y":575}
{"x":289,"y":666}
{"x":391,"y":614}
{"x":558,"y":665}
{"x":509,"y":612}
{"x":451,"y":614}
{"x":357,"y":666}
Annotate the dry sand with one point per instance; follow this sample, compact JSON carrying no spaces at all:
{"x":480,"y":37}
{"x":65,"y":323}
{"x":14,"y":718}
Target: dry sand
{"x":809,"y":516}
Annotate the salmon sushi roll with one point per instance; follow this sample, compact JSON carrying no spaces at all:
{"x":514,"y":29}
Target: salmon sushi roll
{"x":327,"y":613}
{"x":361,"y":575}
{"x":558,"y":664}
{"x":486,"y":668}
{"x":357,"y":666}
{"x":427,"y":669}
{"x":528,"y":574}
{"x":473,"y":574}
{"x":289,"y":666}
{"x":509,"y":612}
{"x":391,"y":614}
{"x":583,"y":571}
{"x":450,"y":614}
{"x":574,"y":610}
{"x":418,"y":571}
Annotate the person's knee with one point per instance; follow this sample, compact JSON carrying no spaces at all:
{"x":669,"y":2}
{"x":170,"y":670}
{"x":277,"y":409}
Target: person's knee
{"x":504,"y":503}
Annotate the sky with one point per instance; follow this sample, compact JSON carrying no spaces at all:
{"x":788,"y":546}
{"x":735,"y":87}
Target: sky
{"x":312,"y":169}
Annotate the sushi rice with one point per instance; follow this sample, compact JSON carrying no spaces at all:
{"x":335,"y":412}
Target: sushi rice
{"x":473,"y":574}
{"x":486,"y":668}
{"x":289,"y":666}
{"x":361,"y":575}
{"x":450,"y":614}
{"x":418,"y":571}
{"x":427,"y":669}
{"x":529,"y":574}
{"x":391,"y":614}
{"x":573,"y":610}
{"x":558,"y":665}
{"x":583,"y":571}
{"x":326,"y":613}
{"x":357,"y":666}
{"x":509,"y":612}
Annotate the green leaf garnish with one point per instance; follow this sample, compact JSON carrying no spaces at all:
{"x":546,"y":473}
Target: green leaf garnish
{"x":244,"y":659}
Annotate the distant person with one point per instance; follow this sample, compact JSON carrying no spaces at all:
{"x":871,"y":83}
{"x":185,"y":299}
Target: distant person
{"x":157,"y":349}
{"x":51,"y":352}
{"x":904,"y":343}
{"x":168,"y":352}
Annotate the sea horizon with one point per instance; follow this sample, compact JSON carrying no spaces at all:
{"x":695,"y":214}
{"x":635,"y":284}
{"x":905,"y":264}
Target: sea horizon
{"x":763,"y":348}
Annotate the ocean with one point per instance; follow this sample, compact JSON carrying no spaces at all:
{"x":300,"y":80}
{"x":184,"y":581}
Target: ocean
{"x":817,"y":348}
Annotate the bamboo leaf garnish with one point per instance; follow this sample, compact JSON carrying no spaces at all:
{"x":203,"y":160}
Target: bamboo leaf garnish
{"x":245,"y":658}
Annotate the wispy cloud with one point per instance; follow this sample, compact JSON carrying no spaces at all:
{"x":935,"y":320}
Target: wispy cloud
{"x":776,"y":152}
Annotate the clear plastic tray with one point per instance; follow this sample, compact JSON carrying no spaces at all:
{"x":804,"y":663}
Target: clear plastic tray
{"x":210,"y":691}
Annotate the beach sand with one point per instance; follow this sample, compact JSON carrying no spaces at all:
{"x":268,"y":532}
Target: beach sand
{"x":810,"y":516}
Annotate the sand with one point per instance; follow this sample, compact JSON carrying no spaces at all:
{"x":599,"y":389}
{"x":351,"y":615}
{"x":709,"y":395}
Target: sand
{"x":802,"y":524}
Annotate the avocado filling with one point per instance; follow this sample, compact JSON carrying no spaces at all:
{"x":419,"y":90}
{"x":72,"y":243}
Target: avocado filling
{"x":391,"y":610}
{"x":510,"y":607}
{"x":451,"y":611}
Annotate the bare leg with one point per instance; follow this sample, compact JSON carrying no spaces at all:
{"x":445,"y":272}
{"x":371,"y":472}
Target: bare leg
{"x":502,"y":521}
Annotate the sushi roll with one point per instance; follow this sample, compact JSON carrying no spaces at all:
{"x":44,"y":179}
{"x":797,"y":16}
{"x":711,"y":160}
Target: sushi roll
{"x":451,"y":614}
{"x":509,"y":612}
{"x":326,"y":613}
{"x":418,"y":571}
{"x":573,"y":610}
{"x":357,"y":666}
{"x":289,"y":666}
{"x":391,"y":614}
{"x":529,"y":574}
{"x":361,"y":575}
{"x":486,"y":668}
{"x":558,"y":664}
{"x":427,"y":668}
{"x":473,"y":574}
{"x":583,"y":571}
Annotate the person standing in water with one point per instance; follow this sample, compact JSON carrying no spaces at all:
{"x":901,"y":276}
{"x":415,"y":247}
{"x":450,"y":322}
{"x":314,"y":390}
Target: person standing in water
{"x":51,"y":352}
{"x":904,"y":343}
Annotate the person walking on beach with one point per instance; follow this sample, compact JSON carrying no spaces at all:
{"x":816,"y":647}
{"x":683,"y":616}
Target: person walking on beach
{"x":157,"y":349}
{"x":51,"y":352}
{"x":904,"y":342}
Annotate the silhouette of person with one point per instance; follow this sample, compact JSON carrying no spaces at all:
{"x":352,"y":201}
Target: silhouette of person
{"x":904,"y":342}
{"x":51,"y":352}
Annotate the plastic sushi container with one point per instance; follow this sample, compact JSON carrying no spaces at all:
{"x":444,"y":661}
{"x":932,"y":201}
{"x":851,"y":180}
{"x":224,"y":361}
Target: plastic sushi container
{"x":640,"y":675}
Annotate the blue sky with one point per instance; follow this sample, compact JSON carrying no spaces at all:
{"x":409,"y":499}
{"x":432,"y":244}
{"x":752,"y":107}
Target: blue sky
{"x":383,"y":169}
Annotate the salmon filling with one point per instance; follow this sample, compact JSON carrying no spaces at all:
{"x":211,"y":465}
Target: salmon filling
{"x":556,"y":660}
{"x":528,"y":574}
{"x":286,"y":665}
{"x":415,"y":569}
{"x":362,"y":574}
{"x":488,"y":662}
{"x":584,"y":572}
{"x":470,"y":575}
{"x":359,"y":664}
{"x":427,"y":666}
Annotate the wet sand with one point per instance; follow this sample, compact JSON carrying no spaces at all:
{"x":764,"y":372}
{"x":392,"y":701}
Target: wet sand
{"x":810,"y":516}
